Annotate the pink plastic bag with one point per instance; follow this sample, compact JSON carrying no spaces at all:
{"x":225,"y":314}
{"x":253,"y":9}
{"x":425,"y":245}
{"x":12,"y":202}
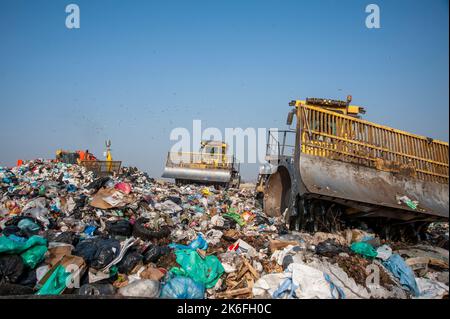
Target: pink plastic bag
{"x":123,"y":187}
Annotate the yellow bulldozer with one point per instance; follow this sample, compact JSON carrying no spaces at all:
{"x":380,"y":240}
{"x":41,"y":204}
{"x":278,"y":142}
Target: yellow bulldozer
{"x":333,"y":166}
{"x":211,"y":165}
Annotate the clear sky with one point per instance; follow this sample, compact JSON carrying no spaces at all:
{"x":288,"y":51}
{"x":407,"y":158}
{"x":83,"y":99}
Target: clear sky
{"x":137,"y":69}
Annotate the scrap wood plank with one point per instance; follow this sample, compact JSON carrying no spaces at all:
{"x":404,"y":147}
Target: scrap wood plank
{"x":251,"y":269}
{"x":280,"y":244}
{"x":234,"y":293}
{"x":250,"y":280}
{"x":426,"y":261}
{"x":242,"y":272}
{"x":237,"y":284}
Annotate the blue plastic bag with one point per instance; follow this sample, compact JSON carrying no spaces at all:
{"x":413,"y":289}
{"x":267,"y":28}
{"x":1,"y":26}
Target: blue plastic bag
{"x":183,"y":288}
{"x":71,"y":188}
{"x":199,"y":243}
{"x":367,"y":238}
{"x":27,"y":224}
{"x":286,"y":286}
{"x":89,"y":230}
{"x":16,"y":238}
{"x":397,"y":266}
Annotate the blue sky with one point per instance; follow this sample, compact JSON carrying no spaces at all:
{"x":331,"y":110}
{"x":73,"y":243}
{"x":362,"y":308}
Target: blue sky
{"x":137,"y":69}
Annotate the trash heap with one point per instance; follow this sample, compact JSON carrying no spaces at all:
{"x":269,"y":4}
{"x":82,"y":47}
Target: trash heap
{"x":66,"y":231}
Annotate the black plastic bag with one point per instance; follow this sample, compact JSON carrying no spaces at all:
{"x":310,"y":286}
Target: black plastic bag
{"x":287,"y":260}
{"x":177,"y":200}
{"x":12,"y":230}
{"x":98,"y":252}
{"x":11,"y":267}
{"x":28,"y":278}
{"x":153,"y":253}
{"x":282,"y":230}
{"x":86,"y":249}
{"x":12,"y":227}
{"x":129,"y":261}
{"x":7,"y":289}
{"x":107,"y":250}
{"x":229,"y":223}
{"x":96,"y":289}
{"x":120,"y":227}
{"x":260,"y":220}
{"x":68,"y":238}
{"x":99,"y":183}
{"x":329,"y":248}
{"x":80,"y":202}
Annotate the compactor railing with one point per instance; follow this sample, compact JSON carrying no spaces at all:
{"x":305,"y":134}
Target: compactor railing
{"x":345,"y":138}
{"x":200,"y":160}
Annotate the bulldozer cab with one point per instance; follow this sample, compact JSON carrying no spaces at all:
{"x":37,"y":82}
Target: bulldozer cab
{"x":211,"y":165}
{"x":214,"y":152}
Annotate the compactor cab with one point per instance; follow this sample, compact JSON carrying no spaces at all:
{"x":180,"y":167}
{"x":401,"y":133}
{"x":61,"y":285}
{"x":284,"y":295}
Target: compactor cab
{"x":340,"y":167}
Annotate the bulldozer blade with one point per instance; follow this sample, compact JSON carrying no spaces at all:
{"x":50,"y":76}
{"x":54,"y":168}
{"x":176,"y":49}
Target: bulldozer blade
{"x":197,"y":175}
{"x":374,"y":192}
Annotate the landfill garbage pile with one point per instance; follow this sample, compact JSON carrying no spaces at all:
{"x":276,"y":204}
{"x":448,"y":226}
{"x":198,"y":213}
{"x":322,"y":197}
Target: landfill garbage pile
{"x":66,"y":231}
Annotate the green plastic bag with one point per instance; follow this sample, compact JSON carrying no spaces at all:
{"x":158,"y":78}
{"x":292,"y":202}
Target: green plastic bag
{"x":56,"y":283}
{"x":364,"y":249}
{"x":9,"y":246}
{"x":236,"y":217}
{"x":113,"y":271}
{"x":34,"y":255}
{"x":42,"y":190}
{"x":206,"y":271}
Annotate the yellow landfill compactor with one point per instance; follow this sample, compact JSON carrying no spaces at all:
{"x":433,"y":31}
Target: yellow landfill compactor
{"x":332,"y":169}
{"x":210,"y":166}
